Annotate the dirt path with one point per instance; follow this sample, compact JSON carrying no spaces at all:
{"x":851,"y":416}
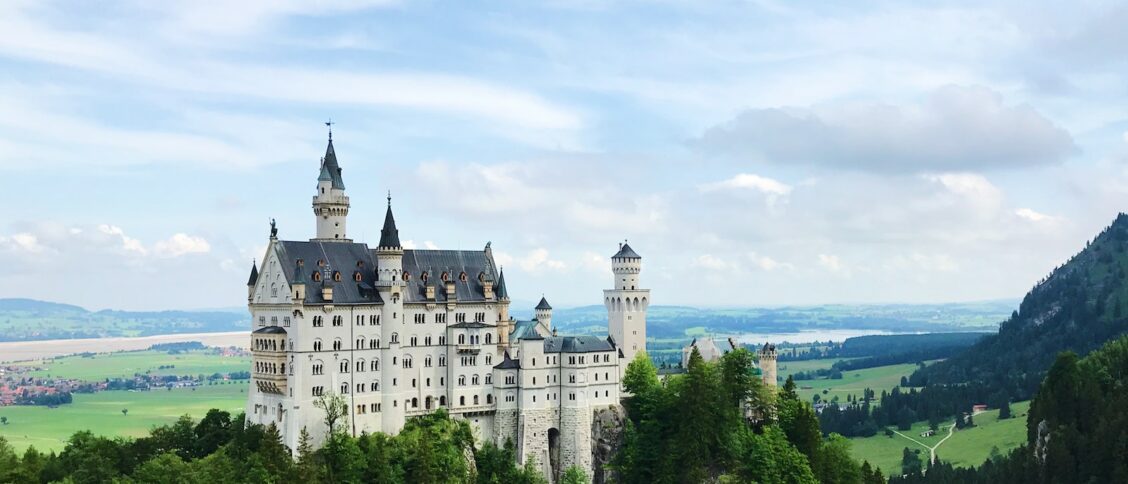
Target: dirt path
{"x":932,"y":449}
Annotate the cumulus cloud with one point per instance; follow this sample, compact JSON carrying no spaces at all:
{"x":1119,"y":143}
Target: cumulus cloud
{"x":535,"y":261}
{"x":181,"y":244}
{"x":952,"y":129}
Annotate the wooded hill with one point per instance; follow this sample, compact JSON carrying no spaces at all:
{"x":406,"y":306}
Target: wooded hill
{"x":1081,"y":305}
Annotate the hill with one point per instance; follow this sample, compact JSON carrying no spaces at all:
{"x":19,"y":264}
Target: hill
{"x":29,"y":320}
{"x":1078,"y":307}
{"x":674,"y":321}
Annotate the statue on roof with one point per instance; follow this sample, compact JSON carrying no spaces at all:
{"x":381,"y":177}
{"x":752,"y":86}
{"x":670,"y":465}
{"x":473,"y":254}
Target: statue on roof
{"x":273,"y":229}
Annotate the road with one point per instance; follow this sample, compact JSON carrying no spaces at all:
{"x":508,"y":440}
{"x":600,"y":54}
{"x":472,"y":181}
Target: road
{"x":932,"y":449}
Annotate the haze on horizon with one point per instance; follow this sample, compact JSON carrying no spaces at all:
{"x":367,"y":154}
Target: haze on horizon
{"x":757,"y":154}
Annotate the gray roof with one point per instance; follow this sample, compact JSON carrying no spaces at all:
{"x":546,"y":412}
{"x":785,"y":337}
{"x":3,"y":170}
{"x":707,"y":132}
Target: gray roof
{"x":389,"y":235}
{"x":543,"y":304}
{"x":270,"y":330}
{"x":471,"y":325}
{"x":338,"y":256}
{"x":508,"y":363}
{"x":454,"y":263}
{"x":523,"y":330}
{"x":330,"y":168}
{"x":626,"y":252}
{"x":576,"y":344}
{"x":254,"y":275}
{"x":502,"y":293}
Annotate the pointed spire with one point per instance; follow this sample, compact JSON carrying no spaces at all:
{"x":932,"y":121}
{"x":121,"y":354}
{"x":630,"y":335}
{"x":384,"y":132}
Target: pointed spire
{"x":389,"y":235}
{"x":626,"y":252}
{"x":502,"y":293}
{"x":330,"y":170}
{"x":254,"y":274}
{"x":543,"y":304}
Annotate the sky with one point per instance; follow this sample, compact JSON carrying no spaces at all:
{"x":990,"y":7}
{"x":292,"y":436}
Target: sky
{"x":754,"y":153}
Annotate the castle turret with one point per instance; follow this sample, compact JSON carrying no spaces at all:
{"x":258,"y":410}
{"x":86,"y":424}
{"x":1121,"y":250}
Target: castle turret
{"x":251,"y":281}
{"x":767,"y":356}
{"x":626,"y":303}
{"x":389,"y":284}
{"x":543,"y":313}
{"x":330,"y":204}
{"x":503,"y":322}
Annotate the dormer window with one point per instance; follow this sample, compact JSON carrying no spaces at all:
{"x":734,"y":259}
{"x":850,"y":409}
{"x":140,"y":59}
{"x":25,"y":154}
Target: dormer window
{"x":316,"y":276}
{"x":462,"y":277}
{"x":445,"y":277}
{"x":356,"y":276}
{"x":424,"y":276}
{"x":406,"y":276}
{"x":359,"y":264}
{"x":337,"y":276}
{"x":321,"y":263}
{"x":481,"y":277}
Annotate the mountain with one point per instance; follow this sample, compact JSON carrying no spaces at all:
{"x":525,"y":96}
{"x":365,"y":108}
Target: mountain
{"x":1081,"y":305}
{"x":30,"y":319}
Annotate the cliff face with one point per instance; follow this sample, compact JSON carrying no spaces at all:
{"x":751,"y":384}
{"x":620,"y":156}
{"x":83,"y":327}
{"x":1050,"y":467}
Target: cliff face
{"x":606,"y":440}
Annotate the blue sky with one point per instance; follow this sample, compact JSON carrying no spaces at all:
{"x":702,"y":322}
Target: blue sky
{"x":755,"y":153}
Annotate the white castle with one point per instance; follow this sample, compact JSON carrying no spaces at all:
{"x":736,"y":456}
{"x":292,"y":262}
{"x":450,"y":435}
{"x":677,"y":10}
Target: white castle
{"x":402,"y":332}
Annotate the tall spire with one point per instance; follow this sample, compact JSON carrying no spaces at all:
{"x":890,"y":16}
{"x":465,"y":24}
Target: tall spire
{"x":389,"y":235}
{"x":254,"y":274}
{"x":502,"y":293}
{"x":330,"y":170}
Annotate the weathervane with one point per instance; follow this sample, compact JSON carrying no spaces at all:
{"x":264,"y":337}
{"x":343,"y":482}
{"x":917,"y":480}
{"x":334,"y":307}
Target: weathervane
{"x":330,"y":124}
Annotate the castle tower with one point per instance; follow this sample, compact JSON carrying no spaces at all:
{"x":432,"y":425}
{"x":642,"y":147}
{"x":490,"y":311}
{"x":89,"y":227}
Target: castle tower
{"x":503,"y":321}
{"x":389,"y":283}
{"x":626,"y":304}
{"x":330,"y":204}
{"x":543,"y":313}
{"x":252,"y":281}
{"x":768,"y":364}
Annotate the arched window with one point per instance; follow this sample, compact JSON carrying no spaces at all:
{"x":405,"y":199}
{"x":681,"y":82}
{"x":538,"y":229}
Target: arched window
{"x":344,"y":366}
{"x":359,"y":365}
{"x":461,"y":339}
{"x":489,"y":399}
{"x":462,"y":276}
{"x":357,"y":276}
{"x":316,"y":345}
{"x":489,"y":338}
{"x":406,"y":276}
{"x":474,"y":380}
{"x":489,"y":378}
{"x":442,"y":400}
{"x":414,"y":403}
{"x":445,"y":276}
{"x":316,"y":276}
{"x":395,"y":337}
{"x":374,"y":365}
{"x":461,"y":380}
{"x":407,"y":362}
{"x":462,"y":401}
{"x":475,"y":399}
{"x":424,"y":276}
{"x":337,"y":276}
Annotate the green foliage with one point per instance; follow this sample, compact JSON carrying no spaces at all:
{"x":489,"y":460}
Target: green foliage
{"x":574,"y":475}
{"x":336,"y":409}
{"x":641,"y":375}
{"x":692,"y":428}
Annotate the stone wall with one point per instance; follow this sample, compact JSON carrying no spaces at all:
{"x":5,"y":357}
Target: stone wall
{"x":505,"y":427}
{"x":607,"y":425}
{"x":533,"y":426}
{"x":575,"y":438}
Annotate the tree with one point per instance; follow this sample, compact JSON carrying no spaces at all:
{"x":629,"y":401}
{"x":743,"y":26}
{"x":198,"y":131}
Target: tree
{"x":1005,"y":410}
{"x":574,"y":475}
{"x":125,"y":411}
{"x":640,"y":375}
{"x":910,"y":462}
{"x":335,"y":407}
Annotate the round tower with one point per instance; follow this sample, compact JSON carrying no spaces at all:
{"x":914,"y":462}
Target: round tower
{"x":330,"y":204}
{"x":768,"y":364}
{"x":627,"y":303}
{"x":389,"y":283}
{"x":543,"y":313}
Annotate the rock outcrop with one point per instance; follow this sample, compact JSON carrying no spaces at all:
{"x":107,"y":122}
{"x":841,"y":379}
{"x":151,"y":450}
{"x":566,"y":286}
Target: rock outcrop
{"x":606,"y":439}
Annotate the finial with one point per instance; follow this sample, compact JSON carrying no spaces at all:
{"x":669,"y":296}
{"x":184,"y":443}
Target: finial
{"x":330,"y":125}
{"x":389,"y":198}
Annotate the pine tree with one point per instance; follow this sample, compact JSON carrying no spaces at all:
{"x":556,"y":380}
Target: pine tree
{"x":1005,"y":410}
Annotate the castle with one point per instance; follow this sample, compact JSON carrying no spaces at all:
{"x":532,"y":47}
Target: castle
{"x":401,"y":332}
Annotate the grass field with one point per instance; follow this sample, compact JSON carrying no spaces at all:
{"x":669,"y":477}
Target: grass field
{"x":853,"y":382}
{"x":126,"y":364}
{"x":49,"y":428}
{"x":968,"y":447}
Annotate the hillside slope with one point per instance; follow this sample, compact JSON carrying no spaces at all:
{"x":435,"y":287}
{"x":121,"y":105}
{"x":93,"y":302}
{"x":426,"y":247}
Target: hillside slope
{"x":29,"y":319}
{"x":1081,"y":305}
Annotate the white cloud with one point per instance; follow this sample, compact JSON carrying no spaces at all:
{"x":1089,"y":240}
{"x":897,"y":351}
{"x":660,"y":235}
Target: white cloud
{"x":954,"y":128}
{"x":535,"y":261}
{"x":831,"y":262}
{"x":181,"y":244}
{"x":749,"y":181}
{"x":127,"y":243}
{"x":1033,"y":216}
{"x":711,"y":262}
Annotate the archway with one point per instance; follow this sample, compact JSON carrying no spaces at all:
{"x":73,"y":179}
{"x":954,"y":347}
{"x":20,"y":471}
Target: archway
{"x":554,"y":453}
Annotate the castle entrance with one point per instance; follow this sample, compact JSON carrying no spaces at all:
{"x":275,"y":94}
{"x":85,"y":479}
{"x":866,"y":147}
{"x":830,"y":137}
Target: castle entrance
{"x":554,"y":453}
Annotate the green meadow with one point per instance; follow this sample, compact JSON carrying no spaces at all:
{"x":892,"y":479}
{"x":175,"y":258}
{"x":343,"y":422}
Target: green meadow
{"x":101,"y":413}
{"x":126,"y":364}
{"x":966,"y":448}
{"x":853,"y":382}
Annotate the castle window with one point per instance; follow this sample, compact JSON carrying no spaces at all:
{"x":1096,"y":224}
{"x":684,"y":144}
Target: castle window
{"x":445,"y":276}
{"x":406,"y":276}
{"x":442,"y":400}
{"x":474,"y":380}
{"x":489,"y":338}
{"x":414,"y":403}
{"x":374,"y":386}
{"x":317,"y":391}
{"x":489,"y":378}
{"x":395,"y":337}
{"x":462,"y":401}
{"x":337,"y":344}
{"x":461,"y":380}
{"x":262,"y":320}
{"x":475,"y":399}
{"x":356,"y":276}
{"x":442,"y":361}
{"x":481,"y":276}
{"x":316,"y":276}
{"x":374,"y":365}
{"x":462,"y":277}
{"x":337,"y":276}
{"x":286,"y":321}
{"x":360,"y":389}
{"x":407,"y":362}
{"x":374,"y":344}
{"x":344,"y":389}
{"x":424,"y":276}
{"x":360,"y":365}
{"x":344,"y":366}
{"x":461,"y":339}
{"x":414,"y":341}
{"x":427,"y":341}
{"x":489,"y":360}
{"x":489,"y":399}
{"x":427,"y":361}
{"x":321,"y":263}
{"x":316,"y":345}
